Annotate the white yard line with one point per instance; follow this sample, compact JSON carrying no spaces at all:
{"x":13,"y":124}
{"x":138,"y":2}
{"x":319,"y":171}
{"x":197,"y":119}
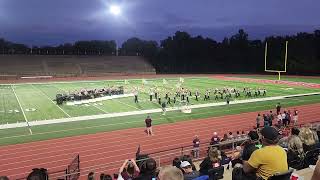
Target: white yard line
{"x":23,"y":113}
{"x":51,"y":100}
{"x":126,"y":104}
{"x":96,"y":106}
{"x":121,"y":114}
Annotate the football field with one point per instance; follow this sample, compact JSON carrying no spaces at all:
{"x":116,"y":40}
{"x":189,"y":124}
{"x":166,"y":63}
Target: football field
{"x":34,"y":102}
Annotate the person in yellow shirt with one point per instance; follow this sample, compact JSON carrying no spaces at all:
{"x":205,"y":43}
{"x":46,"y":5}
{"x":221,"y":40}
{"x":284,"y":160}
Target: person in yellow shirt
{"x":268,"y":160}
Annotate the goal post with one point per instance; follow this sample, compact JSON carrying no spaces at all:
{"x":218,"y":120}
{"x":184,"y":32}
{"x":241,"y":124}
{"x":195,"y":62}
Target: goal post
{"x":285,"y":61}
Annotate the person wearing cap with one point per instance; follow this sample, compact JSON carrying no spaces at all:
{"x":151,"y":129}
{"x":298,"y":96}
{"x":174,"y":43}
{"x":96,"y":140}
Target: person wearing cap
{"x":188,"y":173}
{"x":268,"y":160}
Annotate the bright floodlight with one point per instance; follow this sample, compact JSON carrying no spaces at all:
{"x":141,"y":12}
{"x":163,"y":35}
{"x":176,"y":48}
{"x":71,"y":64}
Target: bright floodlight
{"x":115,"y":10}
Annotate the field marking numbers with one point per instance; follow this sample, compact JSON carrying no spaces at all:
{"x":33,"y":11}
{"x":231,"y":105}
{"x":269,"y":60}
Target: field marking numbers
{"x":23,"y":113}
{"x":51,"y":100}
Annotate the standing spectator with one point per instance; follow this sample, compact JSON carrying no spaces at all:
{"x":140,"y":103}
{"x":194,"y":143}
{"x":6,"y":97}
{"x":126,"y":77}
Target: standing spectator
{"x":278,"y":108}
{"x":147,"y":170}
{"x":225,"y":138}
{"x":284,"y":118}
{"x":271,"y":118}
{"x":170,"y":173}
{"x":188,"y":173}
{"x":265,"y":120}
{"x":196,"y":147}
{"x":279,"y":117}
{"x":148,"y":122}
{"x":268,"y":160}
{"x":4,"y":178}
{"x":289,"y":117}
{"x":295,"y":117}
{"x":215,"y":139}
{"x":258,"y":119}
{"x":238,"y":135}
{"x":128,"y":170}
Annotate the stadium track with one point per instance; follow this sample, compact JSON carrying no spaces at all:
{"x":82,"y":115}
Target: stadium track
{"x":101,"y":149}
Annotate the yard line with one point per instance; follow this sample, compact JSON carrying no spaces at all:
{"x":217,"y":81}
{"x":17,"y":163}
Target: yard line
{"x":51,"y":100}
{"x":24,"y":115}
{"x":127,"y":104}
{"x":96,"y":106}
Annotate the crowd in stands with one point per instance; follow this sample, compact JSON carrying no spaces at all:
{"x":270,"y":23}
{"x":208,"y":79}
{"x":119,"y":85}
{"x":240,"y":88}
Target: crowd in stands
{"x":262,"y":153}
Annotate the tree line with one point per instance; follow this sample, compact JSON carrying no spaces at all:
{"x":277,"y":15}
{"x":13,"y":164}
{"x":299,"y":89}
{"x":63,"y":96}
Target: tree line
{"x":182,"y":53}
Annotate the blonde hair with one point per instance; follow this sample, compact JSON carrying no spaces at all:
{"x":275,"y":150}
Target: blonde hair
{"x":214,"y":154}
{"x":170,"y":173}
{"x":307,"y":136}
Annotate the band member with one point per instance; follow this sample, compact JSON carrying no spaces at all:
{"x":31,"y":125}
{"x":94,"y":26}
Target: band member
{"x":156,"y":94}
{"x":174,"y":99}
{"x":182,"y":96}
{"x":166,"y":97}
{"x":216,"y":97}
{"x":197,"y":94}
{"x":163,"y":108}
{"x":136,"y":97}
{"x":264,"y":92}
{"x":187,"y":99}
{"x":159,"y":100}
{"x":151,"y":95}
{"x":169,"y":100}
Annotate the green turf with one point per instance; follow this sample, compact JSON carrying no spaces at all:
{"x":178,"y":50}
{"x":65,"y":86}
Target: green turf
{"x":40,"y":96}
{"x":283,"y":77}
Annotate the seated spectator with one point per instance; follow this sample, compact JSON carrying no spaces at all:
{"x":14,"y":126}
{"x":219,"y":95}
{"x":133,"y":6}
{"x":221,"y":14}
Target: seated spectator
{"x":91,"y":176}
{"x":212,"y":160}
{"x":105,"y":177}
{"x":128,"y":170}
{"x":189,"y":159}
{"x":188,"y":173}
{"x":38,"y":174}
{"x":316,"y":172}
{"x":147,"y":170}
{"x":295,"y":149}
{"x":268,"y":160}
{"x":308,"y":139}
{"x":251,"y":145}
{"x":318,"y":130}
{"x":170,"y":173}
{"x":215,"y":139}
{"x":176,"y":162}
{"x":225,"y":138}
{"x":4,"y":178}
{"x":230,"y":136}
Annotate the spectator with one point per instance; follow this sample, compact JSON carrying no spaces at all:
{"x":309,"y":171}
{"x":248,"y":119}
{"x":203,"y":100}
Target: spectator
{"x":38,"y":174}
{"x":268,"y":160}
{"x":188,"y":172}
{"x":308,"y":139}
{"x":279,"y":118}
{"x":176,"y":162}
{"x":289,"y":117}
{"x":225,"y":138}
{"x":278,"y":108}
{"x":271,"y":118}
{"x":318,"y":130}
{"x":170,"y":173}
{"x":128,"y":170}
{"x":189,"y":159}
{"x":4,"y":178}
{"x":284,"y":118}
{"x":230,"y":136}
{"x":258,"y":120}
{"x":147,"y":170}
{"x":295,"y":147}
{"x":243,"y":135}
{"x":91,"y":176}
{"x":215,"y":139}
{"x":295,"y":117}
{"x":238,"y":135}
{"x":196,"y":147}
{"x":316,"y":172}
{"x":265,"y":120}
{"x":251,"y":145}
{"x":106,"y":177}
{"x":212,"y":160}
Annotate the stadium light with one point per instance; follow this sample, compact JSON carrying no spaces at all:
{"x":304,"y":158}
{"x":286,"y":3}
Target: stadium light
{"x":115,"y":10}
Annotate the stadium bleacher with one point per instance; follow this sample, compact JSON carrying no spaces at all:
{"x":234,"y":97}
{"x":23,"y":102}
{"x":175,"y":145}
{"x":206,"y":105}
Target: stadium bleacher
{"x":65,"y":66}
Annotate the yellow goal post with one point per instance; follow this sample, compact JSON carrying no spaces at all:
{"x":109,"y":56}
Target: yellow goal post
{"x":272,"y":70}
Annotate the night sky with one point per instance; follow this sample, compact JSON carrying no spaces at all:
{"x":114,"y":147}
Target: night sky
{"x":39,"y":22}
